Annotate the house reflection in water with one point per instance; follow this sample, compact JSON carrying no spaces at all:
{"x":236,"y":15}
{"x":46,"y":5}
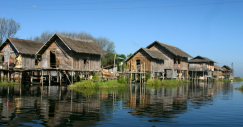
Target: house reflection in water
{"x":56,"y":106}
{"x":60,"y":106}
{"x":163,"y":103}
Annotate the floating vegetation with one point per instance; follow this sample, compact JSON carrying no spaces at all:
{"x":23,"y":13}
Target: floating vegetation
{"x":155,"y":82}
{"x":120,"y":83}
{"x":229,"y":80}
{"x":240,"y":88}
{"x":11,"y":83}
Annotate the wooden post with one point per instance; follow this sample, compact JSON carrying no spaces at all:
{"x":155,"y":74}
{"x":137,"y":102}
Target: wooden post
{"x":60,"y":78}
{"x":72,"y":76}
{"x":21,"y":76}
{"x":42,"y":78}
{"x":8,"y":75}
{"x":49,"y":77}
{"x":0,"y":76}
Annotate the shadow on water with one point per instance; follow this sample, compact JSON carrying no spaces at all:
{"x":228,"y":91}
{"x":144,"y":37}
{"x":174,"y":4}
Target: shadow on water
{"x":60,"y":106}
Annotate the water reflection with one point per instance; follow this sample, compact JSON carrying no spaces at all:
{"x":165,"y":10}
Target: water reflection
{"x":60,"y":106}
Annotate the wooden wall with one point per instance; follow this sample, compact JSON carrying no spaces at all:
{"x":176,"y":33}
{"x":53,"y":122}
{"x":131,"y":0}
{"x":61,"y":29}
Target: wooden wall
{"x":170,"y":64}
{"x":150,"y":63}
{"x":69,"y":59}
{"x":62,"y":53}
{"x":93,"y":62}
{"x":8,"y":51}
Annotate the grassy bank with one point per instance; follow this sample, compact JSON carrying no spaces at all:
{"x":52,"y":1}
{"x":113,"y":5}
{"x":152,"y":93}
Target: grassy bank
{"x":240,"y":88}
{"x":228,"y":80}
{"x":6,"y":83}
{"x":155,"y":82}
{"x":120,"y":83}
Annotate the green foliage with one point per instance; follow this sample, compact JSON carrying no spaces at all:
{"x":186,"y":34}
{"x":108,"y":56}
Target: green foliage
{"x":240,"y":88}
{"x":228,"y":80}
{"x":120,"y":83}
{"x":96,"y":77}
{"x":96,"y":91}
{"x":154,"y":82}
{"x":129,"y":55}
{"x":6,"y":83}
{"x":148,"y":76}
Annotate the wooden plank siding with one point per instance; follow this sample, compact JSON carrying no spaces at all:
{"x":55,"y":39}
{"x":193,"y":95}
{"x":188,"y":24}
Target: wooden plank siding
{"x":62,"y":53}
{"x":69,"y":59}
{"x":92,"y":62}
{"x":173,"y":61}
{"x":150,"y":63}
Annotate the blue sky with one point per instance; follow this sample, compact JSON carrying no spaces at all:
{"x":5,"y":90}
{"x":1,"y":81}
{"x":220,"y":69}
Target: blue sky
{"x":210,"y":28}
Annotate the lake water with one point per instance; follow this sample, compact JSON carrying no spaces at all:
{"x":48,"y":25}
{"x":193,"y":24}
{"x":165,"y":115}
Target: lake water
{"x":201,"y":104}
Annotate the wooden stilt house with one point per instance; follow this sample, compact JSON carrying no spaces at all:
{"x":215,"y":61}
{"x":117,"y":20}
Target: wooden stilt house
{"x":70,"y":53}
{"x":146,"y":60}
{"x":217,"y":74}
{"x":19,"y":53}
{"x":227,"y":72}
{"x":201,"y":67}
{"x":176,"y":65}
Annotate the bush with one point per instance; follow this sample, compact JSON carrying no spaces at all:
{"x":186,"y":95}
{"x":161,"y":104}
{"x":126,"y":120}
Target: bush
{"x":121,"y":80}
{"x":96,"y":76}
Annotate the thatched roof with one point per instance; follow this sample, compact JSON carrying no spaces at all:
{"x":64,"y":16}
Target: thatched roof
{"x":174,"y":50}
{"x":200,"y":59}
{"x":217,"y":67}
{"x":225,"y":68}
{"x":75,"y":44}
{"x":23,"y":46}
{"x":153,"y":53}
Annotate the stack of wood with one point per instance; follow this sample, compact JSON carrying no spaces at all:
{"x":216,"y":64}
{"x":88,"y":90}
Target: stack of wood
{"x":106,"y":74}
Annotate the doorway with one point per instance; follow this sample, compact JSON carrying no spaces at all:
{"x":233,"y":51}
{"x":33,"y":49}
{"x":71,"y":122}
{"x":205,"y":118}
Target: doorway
{"x":53,"y":59}
{"x":138,"y":65}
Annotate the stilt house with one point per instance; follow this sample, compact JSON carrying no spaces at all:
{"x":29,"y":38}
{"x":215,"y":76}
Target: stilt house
{"x":176,"y":64}
{"x":218,"y":74}
{"x":19,"y":53}
{"x":70,"y":53}
{"x":146,"y":60}
{"x":227,"y":72}
{"x":201,"y":67}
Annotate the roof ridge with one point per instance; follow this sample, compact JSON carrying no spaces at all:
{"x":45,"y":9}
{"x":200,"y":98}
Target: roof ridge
{"x":75,"y":38}
{"x":167,"y":44}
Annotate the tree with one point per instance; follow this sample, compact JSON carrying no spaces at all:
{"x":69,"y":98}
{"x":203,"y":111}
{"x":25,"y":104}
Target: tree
{"x":8,"y":28}
{"x":129,"y":55}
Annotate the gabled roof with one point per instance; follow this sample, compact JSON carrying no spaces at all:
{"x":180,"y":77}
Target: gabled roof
{"x":226,"y":67}
{"x":75,"y":44}
{"x":153,"y":53}
{"x":174,"y":50}
{"x":23,"y":46}
{"x":200,"y":59}
{"x":217,"y":67}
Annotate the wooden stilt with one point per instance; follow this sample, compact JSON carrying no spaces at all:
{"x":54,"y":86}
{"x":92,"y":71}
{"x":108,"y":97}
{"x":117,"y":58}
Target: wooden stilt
{"x":21,"y":74}
{"x":49,"y":78}
{"x":42,"y":78}
{"x":0,"y":76}
{"x":60,"y":78}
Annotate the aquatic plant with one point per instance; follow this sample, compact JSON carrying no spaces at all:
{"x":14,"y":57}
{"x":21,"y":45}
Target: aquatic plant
{"x":228,"y":80}
{"x":11,"y":83}
{"x":99,"y":84}
{"x":239,"y":88}
{"x":164,"y":82}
